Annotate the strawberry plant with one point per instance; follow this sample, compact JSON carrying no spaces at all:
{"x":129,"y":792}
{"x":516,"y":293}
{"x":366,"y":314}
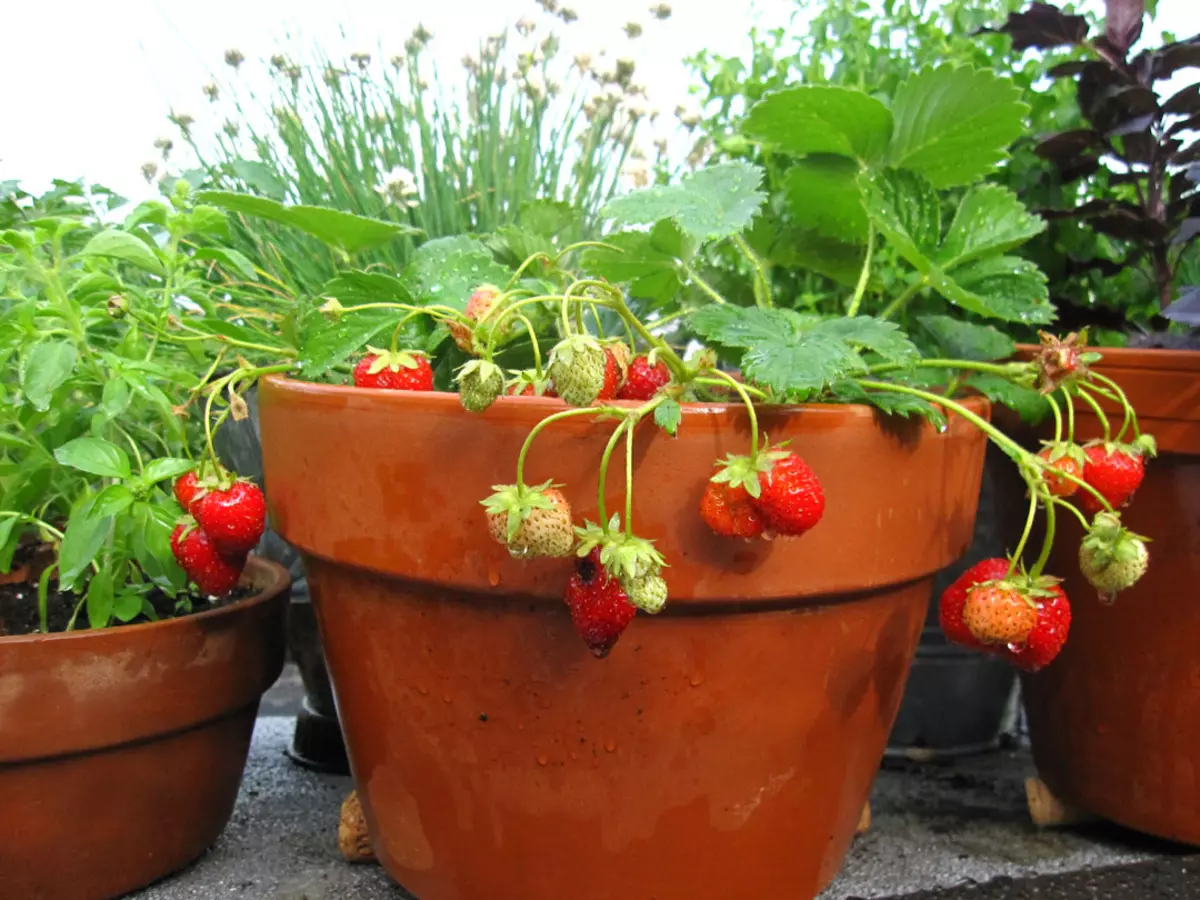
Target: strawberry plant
{"x":98,"y":417}
{"x":627,"y":330}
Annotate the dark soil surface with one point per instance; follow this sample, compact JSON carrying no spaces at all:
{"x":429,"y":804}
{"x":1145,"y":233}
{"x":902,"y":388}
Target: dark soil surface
{"x":19,"y":602}
{"x":1163,"y":879}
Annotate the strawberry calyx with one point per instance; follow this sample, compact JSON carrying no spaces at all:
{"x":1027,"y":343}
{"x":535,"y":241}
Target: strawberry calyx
{"x":1056,"y":450}
{"x":631,"y":560}
{"x":517,"y":501}
{"x":527,"y":382}
{"x":395,"y":360}
{"x":1143,"y":445}
{"x":1061,"y":360}
{"x":747,"y":471}
{"x":1108,"y":542}
{"x":1030,"y":588}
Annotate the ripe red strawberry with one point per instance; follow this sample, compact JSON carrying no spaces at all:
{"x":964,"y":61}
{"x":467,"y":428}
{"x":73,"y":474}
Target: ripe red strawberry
{"x":954,"y":599}
{"x":187,"y":486}
{"x":1068,"y":458}
{"x":998,"y":613}
{"x":791,"y":501}
{"x":401,"y":371}
{"x":234,"y":518}
{"x":616,"y":367}
{"x":600,"y":609}
{"x":644,"y":380}
{"x":730,"y":511}
{"x":214,"y":574}
{"x":1115,"y":471}
{"x":1049,"y":634}
{"x":479,"y":305}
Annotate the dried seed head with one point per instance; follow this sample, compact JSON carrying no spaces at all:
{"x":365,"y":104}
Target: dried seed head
{"x":234,"y":57}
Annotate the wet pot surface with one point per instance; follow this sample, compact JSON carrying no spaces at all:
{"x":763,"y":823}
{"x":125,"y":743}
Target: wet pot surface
{"x":724,"y":748}
{"x":122,"y":750}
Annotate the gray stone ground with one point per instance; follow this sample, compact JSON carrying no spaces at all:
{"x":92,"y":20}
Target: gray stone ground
{"x":934,"y":827}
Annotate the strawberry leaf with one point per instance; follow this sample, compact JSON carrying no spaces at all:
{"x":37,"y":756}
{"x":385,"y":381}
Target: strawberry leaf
{"x":324,"y":344}
{"x":647,"y":261}
{"x":1031,"y":406}
{"x":954,"y":124}
{"x":990,"y":219}
{"x":447,"y":270}
{"x":709,"y":204}
{"x":957,"y":339}
{"x":822,"y":119}
{"x":667,"y":416}
{"x":822,"y":195}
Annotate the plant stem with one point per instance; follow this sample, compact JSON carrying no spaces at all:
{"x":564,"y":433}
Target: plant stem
{"x":1047,"y":543}
{"x":1063,"y":503}
{"x":1058,"y":420}
{"x":703,"y":285}
{"x":749,"y":404}
{"x":1130,"y":413}
{"x":902,"y":301}
{"x":629,"y":477}
{"x":1091,"y":401}
{"x":556,"y":417}
{"x":716,"y":382}
{"x":33,"y":520}
{"x":864,"y":276}
{"x":762,"y":285}
{"x":602,"y":480}
{"x":1020,"y":550}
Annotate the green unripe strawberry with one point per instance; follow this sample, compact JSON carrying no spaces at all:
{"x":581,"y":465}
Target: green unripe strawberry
{"x":479,"y":384}
{"x":1111,"y":557}
{"x":577,"y":369}
{"x":647,"y":592}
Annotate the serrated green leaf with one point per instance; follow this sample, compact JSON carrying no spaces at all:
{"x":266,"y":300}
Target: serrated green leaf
{"x":648,"y":261}
{"x":885,"y":338}
{"x":368,"y":287}
{"x":324,"y":344}
{"x":990,"y":219}
{"x":905,"y":208}
{"x":802,"y":365}
{"x":46,"y":369}
{"x":447,"y":270}
{"x":115,"y":244}
{"x":826,"y":256}
{"x":822,"y":119}
{"x":667,"y":416}
{"x":954,"y":124}
{"x":823,"y":196}
{"x":95,"y":456}
{"x":345,"y":231}
{"x":100,"y":599}
{"x":208,"y":220}
{"x":741,"y":326}
{"x":1031,"y":406}
{"x":1003,"y":287}
{"x":709,"y":204}
{"x":549,"y":218}
{"x":967,"y":340}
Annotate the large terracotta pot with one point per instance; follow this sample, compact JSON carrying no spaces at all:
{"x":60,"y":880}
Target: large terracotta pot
{"x":121,"y":751}
{"x":724,"y":749}
{"x":1115,"y":721}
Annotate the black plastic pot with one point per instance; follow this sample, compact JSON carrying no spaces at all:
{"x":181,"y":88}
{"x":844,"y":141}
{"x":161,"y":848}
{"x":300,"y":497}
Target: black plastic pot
{"x":317,"y":742}
{"x":959,"y":702}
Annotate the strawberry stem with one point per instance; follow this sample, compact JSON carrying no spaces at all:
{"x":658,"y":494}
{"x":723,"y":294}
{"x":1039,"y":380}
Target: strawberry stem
{"x":603,"y":479}
{"x":1086,"y":396}
{"x":1029,"y":519}
{"x":556,"y":417}
{"x":864,"y":276}
{"x":1058,"y":419}
{"x":1130,"y":413}
{"x":1070,"y":416}
{"x":394,"y":346}
{"x":1065,"y":505}
{"x":749,"y":404}
{"x":715,"y":382}
{"x":629,"y":478}
{"x":1047,"y":543}
{"x":762,"y":284}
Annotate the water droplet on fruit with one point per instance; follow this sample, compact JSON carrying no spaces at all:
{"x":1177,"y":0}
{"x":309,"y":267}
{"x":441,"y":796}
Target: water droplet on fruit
{"x":518,"y":552}
{"x":1108,"y":598}
{"x":769,"y":535}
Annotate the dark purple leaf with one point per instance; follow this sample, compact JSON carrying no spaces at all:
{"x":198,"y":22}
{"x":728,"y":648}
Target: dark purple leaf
{"x":1187,"y":231}
{"x":1191,"y":123}
{"x":1067,"y":69}
{"x":1043,"y":26}
{"x":1167,"y":60}
{"x":1189,"y":154}
{"x":1083,"y":211}
{"x":1187,"y":308}
{"x":1067,"y":144}
{"x":1129,"y":226}
{"x":1140,"y":147}
{"x":1123,"y":23}
{"x":1184,"y":102}
{"x":1108,"y":96}
{"x":1134,"y":125}
{"x":1186,"y":207}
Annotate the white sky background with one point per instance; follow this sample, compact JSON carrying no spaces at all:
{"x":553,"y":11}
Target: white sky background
{"x":89,"y":84}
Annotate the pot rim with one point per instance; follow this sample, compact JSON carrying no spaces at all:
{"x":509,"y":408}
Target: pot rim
{"x":268,"y":576}
{"x":1155,"y":358}
{"x":977,"y":403}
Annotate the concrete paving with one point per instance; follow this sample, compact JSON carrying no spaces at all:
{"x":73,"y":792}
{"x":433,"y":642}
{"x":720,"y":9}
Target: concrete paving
{"x":947,"y":831}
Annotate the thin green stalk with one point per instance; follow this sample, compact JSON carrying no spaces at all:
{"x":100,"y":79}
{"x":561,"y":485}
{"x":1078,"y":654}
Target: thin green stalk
{"x":748,"y":403}
{"x":602,"y":480}
{"x":1047,"y":543}
{"x":762,"y":285}
{"x":1087,"y":398}
{"x":703,"y":285}
{"x":1131,"y":418}
{"x":551,"y":419}
{"x":1058,"y":419}
{"x":629,"y":477}
{"x":902,"y":301}
{"x":864,"y":276}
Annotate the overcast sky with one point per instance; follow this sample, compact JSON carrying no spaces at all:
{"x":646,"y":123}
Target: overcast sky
{"x":88,"y":84}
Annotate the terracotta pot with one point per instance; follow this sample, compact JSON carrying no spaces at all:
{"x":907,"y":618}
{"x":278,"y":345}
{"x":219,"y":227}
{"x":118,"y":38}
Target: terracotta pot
{"x":122,"y":750}
{"x":1115,"y":721}
{"x":725,"y":748}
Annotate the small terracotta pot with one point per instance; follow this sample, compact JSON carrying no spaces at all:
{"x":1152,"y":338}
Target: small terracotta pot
{"x":121,"y":750}
{"x":1115,"y":720}
{"x":724,"y":749}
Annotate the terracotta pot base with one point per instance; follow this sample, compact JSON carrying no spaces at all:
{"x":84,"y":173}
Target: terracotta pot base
{"x":122,"y":750}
